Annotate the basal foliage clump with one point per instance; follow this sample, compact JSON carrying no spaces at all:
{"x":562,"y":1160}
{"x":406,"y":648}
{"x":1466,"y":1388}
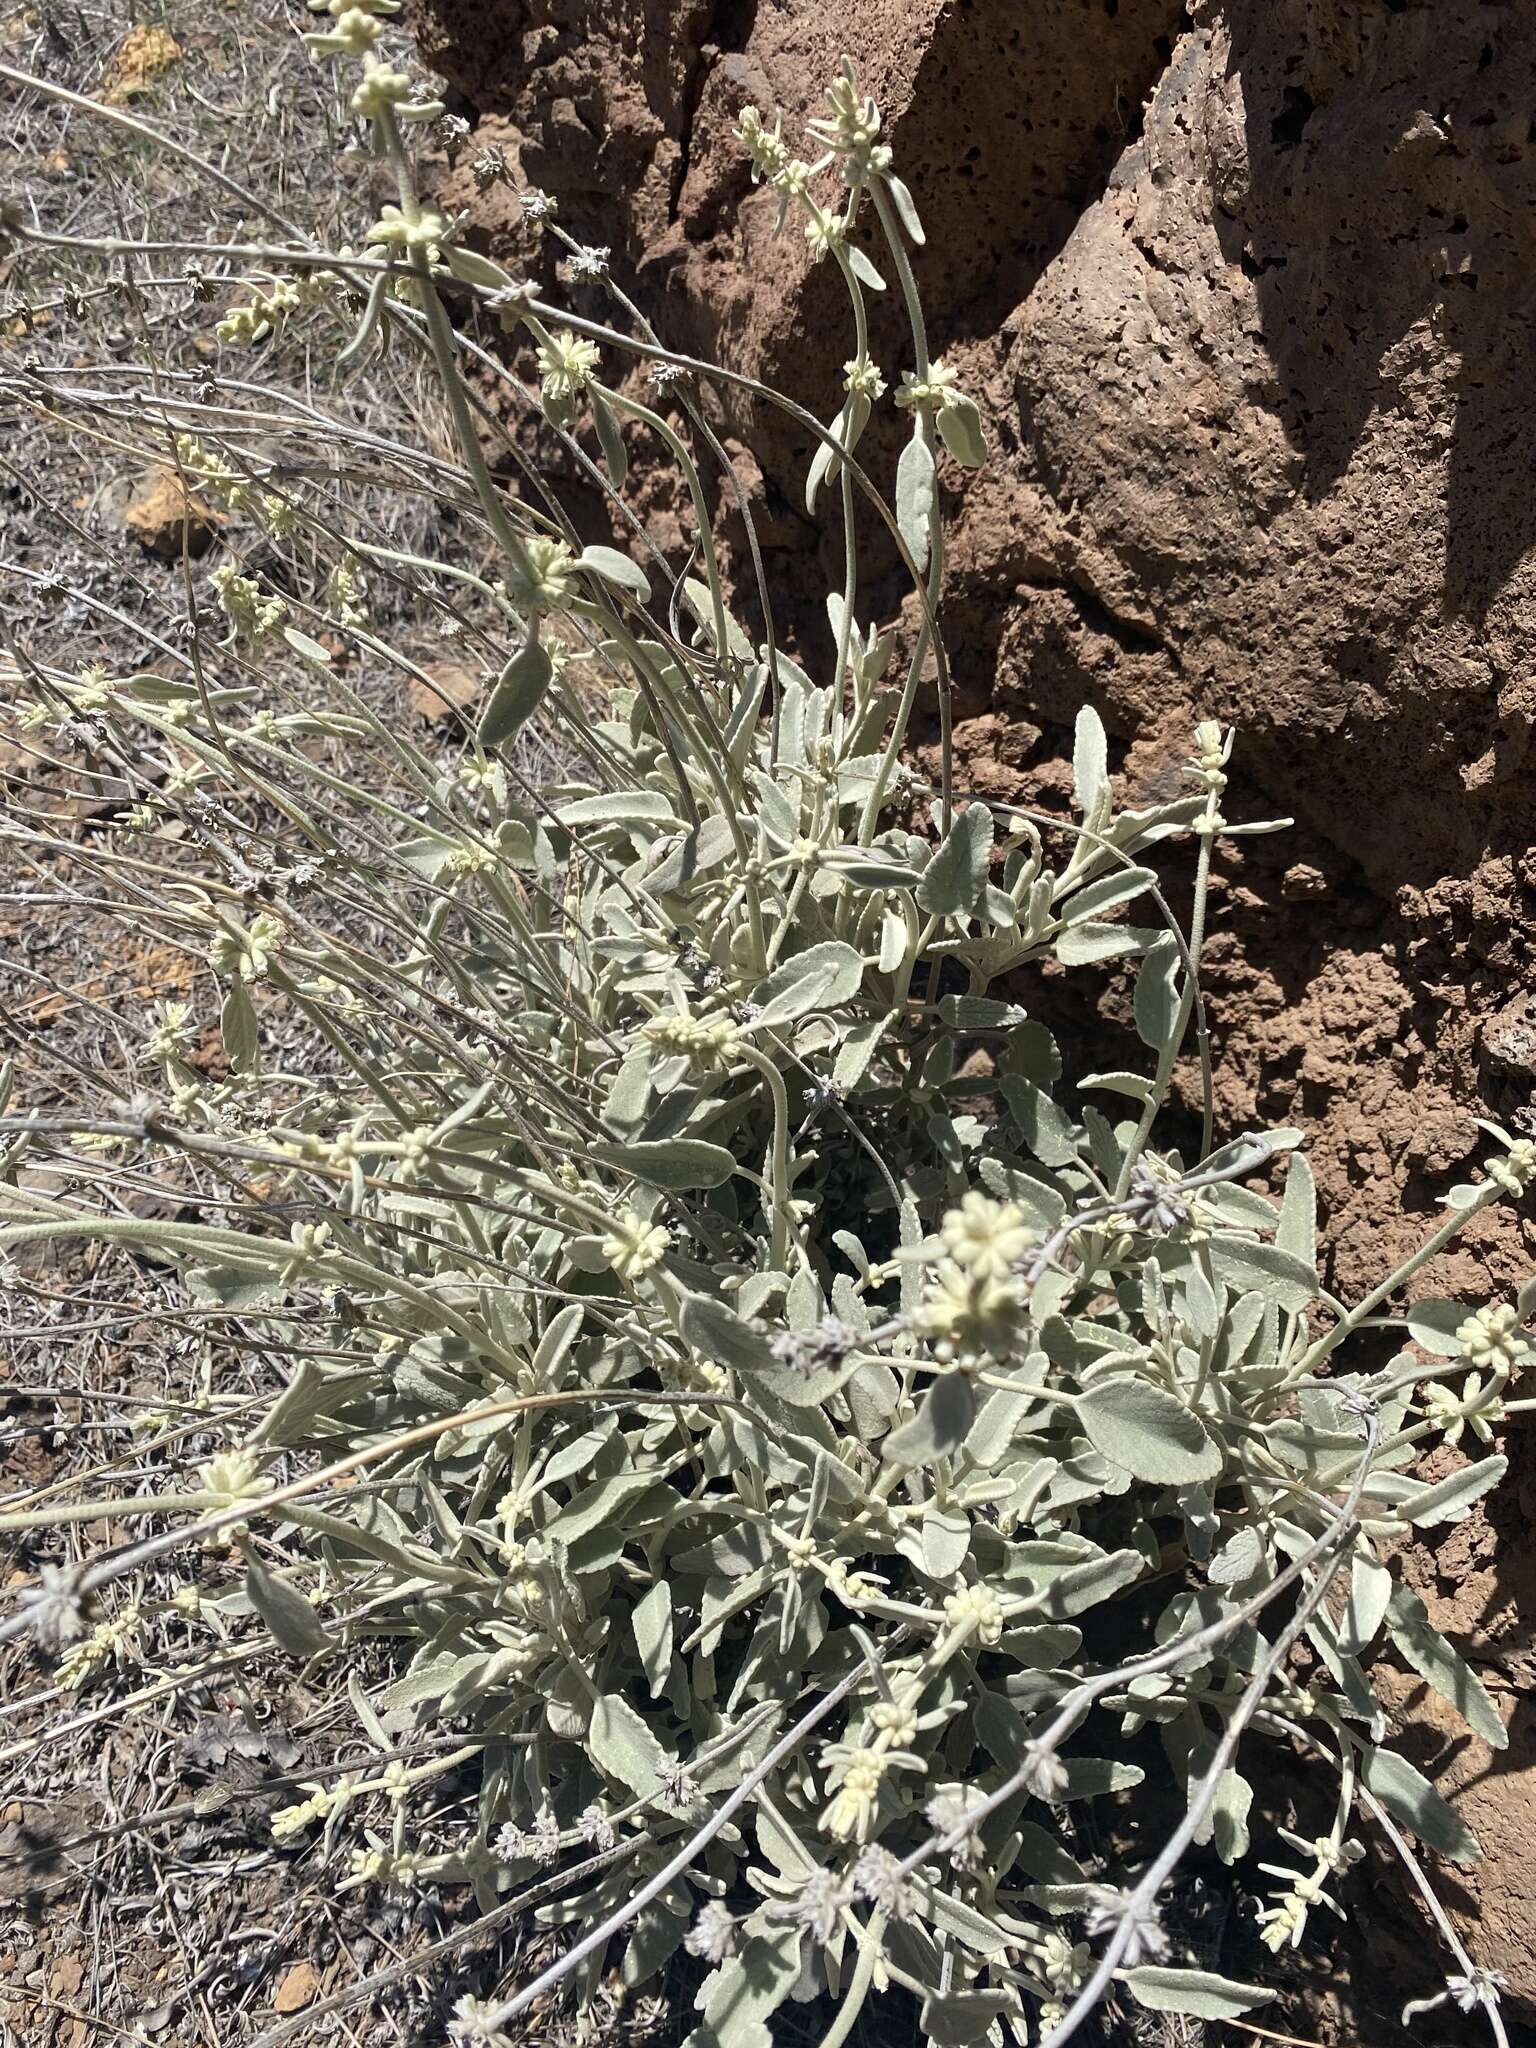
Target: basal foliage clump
{"x":794,"y":1432}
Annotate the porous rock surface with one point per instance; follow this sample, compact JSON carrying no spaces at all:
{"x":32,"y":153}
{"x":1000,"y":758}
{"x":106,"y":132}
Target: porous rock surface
{"x":1247,"y":292}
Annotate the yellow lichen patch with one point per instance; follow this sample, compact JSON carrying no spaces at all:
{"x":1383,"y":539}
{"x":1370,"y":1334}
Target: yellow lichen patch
{"x":145,"y":55}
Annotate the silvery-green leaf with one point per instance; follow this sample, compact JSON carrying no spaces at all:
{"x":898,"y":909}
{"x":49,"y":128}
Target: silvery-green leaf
{"x":1000,"y":1727}
{"x":521,"y":847}
{"x":820,"y":978}
{"x":1046,"y":1129}
{"x":610,"y":436}
{"x":823,"y":459}
{"x":751,"y":1985}
{"x":152,"y":689}
{"x":295,"y":1625}
{"x":1229,"y":1816}
{"x":1148,"y":1432}
{"x":1421,"y":1644}
{"x":741,"y":1549}
{"x":1120,"y":885}
{"x":701,"y":604}
{"x":958,"y":1917}
{"x":629,"y":1093}
{"x":607,"y":1500}
{"x":555,"y":1344}
{"x":906,"y":211}
{"x":954,"y":878}
{"x":1043,"y":1857}
{"x":1157,"y":998}
{"x":432,"y":1679}
{"x":916,"y":495}
{"x":655,"y":1934}
{"x":724,"y":1337}
{"x":1243,"y":1208}
{"x":1103,"y":1145}
{"x":979,"y":1013}
{"x":1084,"y":1585}
{"x":365,"y":1711}
{"x":961,"y":431}
{"x":674,"y":1164}
{"x":862,"y":268}
{"x":307,"y":649}
{"x":623,"y":807}
{"x":1309,"y":1449}
{"x":952,"y":2019}
{"x":617,"y":570}
{"x":1080,"y":945}
{"x":1202,"y":1309}
{"x":1041,"y":1647}
{"x":700,"y":850}
{"x":827,"y":465}
{"x":1136,"y":1086}
{"x":1090,"y":765}
{"x":991,"y":1435}
{"x":1032,"y":1052}
{"x":580,"y":1454}
{"x":622,"y":1744}
{"x":1239,"y":1559}
{"x":946,"y":1539}
{"x":1200,"y":1993}
{"x":1411,"y":1800}
{"x":865,"y":872}
{"x":873,"y":1396}
{"x":1296,"y":1231}
{"x":238,"y":1028}
{"x":363,"y":1536}
{"x":996,"y":907}
{"x":1451,"y":1499}
{"x":857,"y":1051}
{"x":939,"y":1426}
{"x":1370,"y":1589}
{"x":1264,"y":1269}
{"x":742,"y":723}
{"x":471,"y":267}
{"x":1434,"y":1324}
{"x":1091,"y":1777}
{"x":313,"y":1394}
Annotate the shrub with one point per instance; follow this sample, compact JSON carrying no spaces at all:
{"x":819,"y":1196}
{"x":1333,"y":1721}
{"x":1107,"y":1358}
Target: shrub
{"x":797,"y":1435}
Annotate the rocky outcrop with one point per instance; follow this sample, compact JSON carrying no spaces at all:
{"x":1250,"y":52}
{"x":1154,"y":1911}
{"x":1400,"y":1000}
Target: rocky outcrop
{"x":1248,"y":293}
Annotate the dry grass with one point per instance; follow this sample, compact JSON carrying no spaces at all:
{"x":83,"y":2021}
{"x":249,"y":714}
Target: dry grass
{"x":141,"y":1895}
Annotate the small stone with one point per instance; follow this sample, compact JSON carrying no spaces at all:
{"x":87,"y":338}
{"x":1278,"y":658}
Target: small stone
{"x":145,"y":54}
{"x":68,"y":1976}
{"x":1303,"y":884}
{"x":447,"y":694}
{"x":1509,"y":1038}
{"x":165,"y":515}
{"x":297,"y":1988}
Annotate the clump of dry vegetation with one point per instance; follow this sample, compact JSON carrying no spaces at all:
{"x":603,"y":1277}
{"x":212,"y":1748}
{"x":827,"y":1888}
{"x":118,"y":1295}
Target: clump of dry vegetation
{"x":587,"y":1382}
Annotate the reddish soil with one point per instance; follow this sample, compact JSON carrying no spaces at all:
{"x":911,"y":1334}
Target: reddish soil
{"x":1245,"y":291}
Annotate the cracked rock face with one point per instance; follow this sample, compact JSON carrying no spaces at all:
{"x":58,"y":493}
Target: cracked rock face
{"x":1248,"y":295}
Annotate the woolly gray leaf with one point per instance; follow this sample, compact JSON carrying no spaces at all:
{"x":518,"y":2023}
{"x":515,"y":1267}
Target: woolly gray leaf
{"x":295,"y":1625}
{"x":1148,"y":1432}
{"x":1411,"y":1800}
{"x":617,"y":570}
{"x":954,"y":878}
{"x":1200,"y":1993}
